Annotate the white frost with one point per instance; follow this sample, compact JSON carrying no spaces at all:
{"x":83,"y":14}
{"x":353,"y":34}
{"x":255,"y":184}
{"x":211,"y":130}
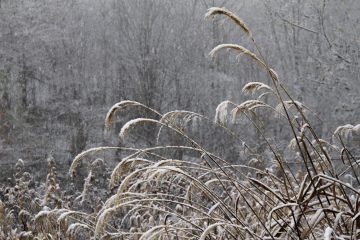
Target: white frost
{"x":327,"y":233}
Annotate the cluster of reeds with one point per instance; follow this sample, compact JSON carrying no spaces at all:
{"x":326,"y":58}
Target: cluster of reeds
{"x":153,"y":196}
{"x":29,"y":210}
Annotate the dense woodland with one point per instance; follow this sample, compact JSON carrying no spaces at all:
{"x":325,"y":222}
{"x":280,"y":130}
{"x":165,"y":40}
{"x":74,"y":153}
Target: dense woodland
{"x":64,"y":63}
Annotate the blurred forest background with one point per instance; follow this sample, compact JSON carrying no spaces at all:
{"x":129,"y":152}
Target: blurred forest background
{"x":64,"y":63}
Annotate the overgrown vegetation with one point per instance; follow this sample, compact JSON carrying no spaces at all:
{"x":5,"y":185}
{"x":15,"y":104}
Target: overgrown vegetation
{"x":151,"y":195}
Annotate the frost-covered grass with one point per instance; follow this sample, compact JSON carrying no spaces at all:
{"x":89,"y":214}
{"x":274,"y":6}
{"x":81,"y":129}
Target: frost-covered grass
{"x":151,"y":195}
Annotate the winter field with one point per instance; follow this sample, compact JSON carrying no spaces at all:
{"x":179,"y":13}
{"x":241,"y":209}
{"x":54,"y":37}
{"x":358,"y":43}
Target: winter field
{"x":277,"y":162}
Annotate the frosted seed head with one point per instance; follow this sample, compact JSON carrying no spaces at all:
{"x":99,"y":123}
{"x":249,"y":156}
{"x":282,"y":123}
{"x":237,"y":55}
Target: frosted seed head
{"x":223,"y":11}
